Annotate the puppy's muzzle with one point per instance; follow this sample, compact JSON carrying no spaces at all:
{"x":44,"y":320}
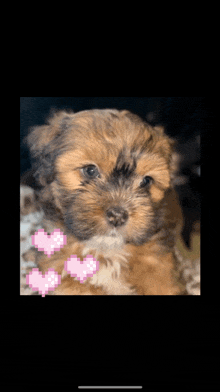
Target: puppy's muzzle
{"x":116,"y":216}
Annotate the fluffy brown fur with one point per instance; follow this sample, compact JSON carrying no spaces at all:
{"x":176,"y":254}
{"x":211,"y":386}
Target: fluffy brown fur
{"x":129,"y":224}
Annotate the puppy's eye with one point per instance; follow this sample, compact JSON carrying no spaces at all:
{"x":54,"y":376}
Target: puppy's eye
{"x":90,"y":171}
{"x":146,"y":181}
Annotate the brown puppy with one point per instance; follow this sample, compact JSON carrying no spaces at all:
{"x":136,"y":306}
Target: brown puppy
{"x":106,"y":183}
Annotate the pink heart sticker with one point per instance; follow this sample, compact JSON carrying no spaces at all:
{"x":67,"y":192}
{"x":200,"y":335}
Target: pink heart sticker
{"x":81,"y":269}
{"x":43,"y":283}
{"x":48,"y":243}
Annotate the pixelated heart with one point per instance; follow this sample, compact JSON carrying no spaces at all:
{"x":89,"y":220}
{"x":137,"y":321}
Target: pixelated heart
{"x":43,"y":283}
{"x":81,"y":269}
{"x":48,"y":243}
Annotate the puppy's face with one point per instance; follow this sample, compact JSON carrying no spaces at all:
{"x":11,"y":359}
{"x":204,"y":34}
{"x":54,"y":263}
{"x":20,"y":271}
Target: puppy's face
{"x":106,"y":171}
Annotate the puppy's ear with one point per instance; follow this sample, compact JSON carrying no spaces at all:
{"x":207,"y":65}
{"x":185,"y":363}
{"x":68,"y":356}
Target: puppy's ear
{"x":45,"y":143}
{"x":166,"y":145}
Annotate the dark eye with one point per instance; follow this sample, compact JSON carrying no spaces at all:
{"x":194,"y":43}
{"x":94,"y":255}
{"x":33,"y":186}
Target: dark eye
{"x":146,"y":181}
{"x":90,"y":171}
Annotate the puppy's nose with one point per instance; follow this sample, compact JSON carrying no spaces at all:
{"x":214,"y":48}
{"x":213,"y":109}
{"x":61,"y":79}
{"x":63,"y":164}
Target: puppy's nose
{"x":116,"y":216}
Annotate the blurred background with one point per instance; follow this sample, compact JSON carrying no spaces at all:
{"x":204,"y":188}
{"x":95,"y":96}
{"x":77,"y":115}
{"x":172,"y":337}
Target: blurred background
{"x":184,"y":118}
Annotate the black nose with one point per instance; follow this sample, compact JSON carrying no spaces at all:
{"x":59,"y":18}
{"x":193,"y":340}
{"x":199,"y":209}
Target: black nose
{"x":116,"y":216}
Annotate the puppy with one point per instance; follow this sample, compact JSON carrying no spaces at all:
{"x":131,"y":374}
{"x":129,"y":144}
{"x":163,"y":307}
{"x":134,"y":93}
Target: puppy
{"x":106,"y":183}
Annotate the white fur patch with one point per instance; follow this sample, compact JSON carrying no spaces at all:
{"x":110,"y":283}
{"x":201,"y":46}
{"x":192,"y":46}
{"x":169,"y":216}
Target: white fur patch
{"x":109,"y":276}
{"x":104,"y":243}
